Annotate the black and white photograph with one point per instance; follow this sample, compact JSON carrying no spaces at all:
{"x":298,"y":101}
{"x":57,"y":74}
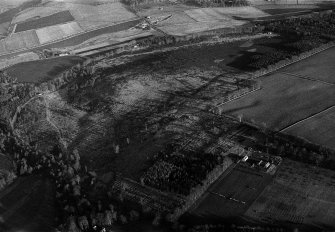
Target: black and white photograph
{"x":167,"y":115}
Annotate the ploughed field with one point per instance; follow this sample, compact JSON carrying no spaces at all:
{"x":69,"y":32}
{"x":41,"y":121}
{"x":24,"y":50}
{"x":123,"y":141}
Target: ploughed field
{"x":296,"y":99}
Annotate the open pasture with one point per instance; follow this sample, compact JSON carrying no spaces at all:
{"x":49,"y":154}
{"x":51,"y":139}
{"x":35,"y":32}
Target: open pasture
{"x":282,"y":101}
{"x":54,"y":19}
{"x":225,"y":13}
{"x":320,"y":66}
{"x":231,"y":195}
{"x":52,"y":33}
{"x":42,"y":70}
{"x":90,"y":17}
{"x":300,"y":193}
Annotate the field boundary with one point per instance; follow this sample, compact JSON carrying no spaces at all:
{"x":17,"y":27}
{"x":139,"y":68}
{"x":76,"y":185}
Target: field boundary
{"x":242,"y":95}
{"x":307,"y":118}
{"x":306,"y":78}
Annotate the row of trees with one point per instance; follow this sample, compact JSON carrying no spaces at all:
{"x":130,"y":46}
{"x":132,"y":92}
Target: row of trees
{"x":307,"y":33}
{"x":311,"y":25}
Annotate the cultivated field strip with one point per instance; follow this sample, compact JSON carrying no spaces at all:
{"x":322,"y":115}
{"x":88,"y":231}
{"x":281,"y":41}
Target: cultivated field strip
{"x":57,"y":32}
{"x":54,"y":19}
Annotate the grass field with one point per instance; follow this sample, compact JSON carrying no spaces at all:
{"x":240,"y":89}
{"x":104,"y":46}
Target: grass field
{"x":54,"y":19}
{"x":282,"y":101}
{"x":319,"y":66}
{"x":189,"y":28}
{"x":225,"y":13}
{"x":42,"y":70}
{"x":230,"y":196}
{"x":318,"y":129}
{"x":22,"y":40}
{"x":52,"y":33}
{"x":299,"y":194}
{"x":89,"y":17}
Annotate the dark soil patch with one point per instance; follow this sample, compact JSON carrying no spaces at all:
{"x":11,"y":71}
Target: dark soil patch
{"x":58,"y":18}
